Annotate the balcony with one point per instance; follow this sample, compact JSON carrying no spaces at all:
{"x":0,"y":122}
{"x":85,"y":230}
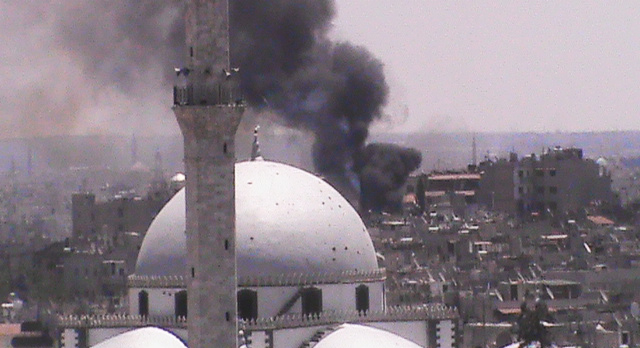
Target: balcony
{"x":221,"y":94}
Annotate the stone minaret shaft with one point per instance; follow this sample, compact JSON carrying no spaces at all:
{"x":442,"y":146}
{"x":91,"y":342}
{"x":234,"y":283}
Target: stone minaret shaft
{"x":208,"y":115}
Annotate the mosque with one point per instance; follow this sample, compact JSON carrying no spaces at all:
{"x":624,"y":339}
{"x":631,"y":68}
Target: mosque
{"x":256,"y":254}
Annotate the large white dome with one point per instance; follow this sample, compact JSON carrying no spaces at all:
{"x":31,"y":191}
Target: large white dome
{"x":142,"y":338}
{"x":287,"y":221}
{"x":359,"y":336}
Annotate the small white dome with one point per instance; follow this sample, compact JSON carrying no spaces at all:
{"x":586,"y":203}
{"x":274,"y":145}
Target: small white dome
{"x":602,"y":162}
{"x":179,"y":177}
{"x":143,"y":338}
{"x":358,"y":336}
{"x":287,"y":221}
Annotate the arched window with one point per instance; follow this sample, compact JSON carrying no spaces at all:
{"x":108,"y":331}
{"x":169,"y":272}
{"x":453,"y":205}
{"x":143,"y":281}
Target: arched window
{"x":247,"y":304}
{"x":362,"y":298}
{"x":181,"y":303}
{"x":311,"y":301}
{"x":143,"y":303}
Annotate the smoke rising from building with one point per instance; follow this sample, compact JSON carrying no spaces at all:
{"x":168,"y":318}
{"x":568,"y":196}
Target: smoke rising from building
{"x":383,"y":170}
{"x":335,"y":90}
{"x":117,"y":60}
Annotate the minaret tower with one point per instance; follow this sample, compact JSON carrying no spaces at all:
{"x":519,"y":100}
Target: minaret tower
{"x":209,"y":114}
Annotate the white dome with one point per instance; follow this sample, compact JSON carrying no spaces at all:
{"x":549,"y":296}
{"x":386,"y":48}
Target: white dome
{"x":287,"y":220}
{"x":358,"y":336}
{"x":143,"y":338}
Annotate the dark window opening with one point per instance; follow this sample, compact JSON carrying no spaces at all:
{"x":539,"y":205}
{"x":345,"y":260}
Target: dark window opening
{"x":625,"y":338}
{"x":143,"y":303}
{"x":311,"y":301}
{"x":224,"y":148}
{"x":181,"y":303}
{"x":514,"y":292}
{"x":248,"y":304}
{"x":227,"y":316}
{"x":193,"y":272}
{"x":552,"y":172}
{"x":226,"y":244}
{"x":362,"y":298}
{"x":191,"y":51}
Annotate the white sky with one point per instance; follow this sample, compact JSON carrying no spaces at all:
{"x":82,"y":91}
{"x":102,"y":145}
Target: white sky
{"x":503,"y":65}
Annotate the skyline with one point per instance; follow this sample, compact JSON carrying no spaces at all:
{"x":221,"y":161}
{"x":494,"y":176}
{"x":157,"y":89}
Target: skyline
{"x":464,"y":67}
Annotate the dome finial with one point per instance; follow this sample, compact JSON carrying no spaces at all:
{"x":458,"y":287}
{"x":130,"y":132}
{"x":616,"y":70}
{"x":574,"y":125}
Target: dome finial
{"x":255,"y":149}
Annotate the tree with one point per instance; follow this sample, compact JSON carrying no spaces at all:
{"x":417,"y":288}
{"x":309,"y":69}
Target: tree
{"x":531,"y":326}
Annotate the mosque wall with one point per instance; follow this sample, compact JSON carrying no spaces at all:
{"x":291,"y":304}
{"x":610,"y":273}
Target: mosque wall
{"x":414,"y":331}
{"x":96,"y":336}
{"x":161,"y":301}
{"x":293,"y":338}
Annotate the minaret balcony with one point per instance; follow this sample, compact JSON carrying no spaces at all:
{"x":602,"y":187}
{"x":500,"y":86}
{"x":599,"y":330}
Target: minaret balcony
{"x":219,"y":94}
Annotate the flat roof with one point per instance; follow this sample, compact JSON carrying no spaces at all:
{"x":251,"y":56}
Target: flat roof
{"x":461,"y":176}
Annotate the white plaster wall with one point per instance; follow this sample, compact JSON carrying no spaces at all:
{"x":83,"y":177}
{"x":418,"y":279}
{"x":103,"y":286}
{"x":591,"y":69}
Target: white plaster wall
{"x":339,"y":297}
{"x":271,"y":299}
{"x":445,"y":334}
{"x":161,"y":301}
{"x":414,"y":331}
{"x":334,"y":297}
{"x":376,"y":296}
{"x":258,"y":339}
{"x":293,"y":338}
{"x":182,"y":333}
{"x":97,"y":335}
{"x":69,"y":339}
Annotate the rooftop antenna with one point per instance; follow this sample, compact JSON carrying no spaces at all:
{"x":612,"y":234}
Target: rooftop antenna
{"x":474,"y":151}
{"x":30,"y":161}
{"x":134,"y":149}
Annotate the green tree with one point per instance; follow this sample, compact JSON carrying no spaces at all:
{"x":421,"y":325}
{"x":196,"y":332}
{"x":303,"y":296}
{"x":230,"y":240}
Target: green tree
{"x":530,"y":324}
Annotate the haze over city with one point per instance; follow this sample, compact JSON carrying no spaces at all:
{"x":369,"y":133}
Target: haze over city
{"x":477,"y":67}
{"x":345,"y":173}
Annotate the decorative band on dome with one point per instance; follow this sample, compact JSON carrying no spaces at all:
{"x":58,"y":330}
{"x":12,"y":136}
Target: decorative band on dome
{"x":293,"y":279}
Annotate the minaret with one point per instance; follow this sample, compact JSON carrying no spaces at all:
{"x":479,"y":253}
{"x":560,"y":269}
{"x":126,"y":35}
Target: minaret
{"x":209,"y":115}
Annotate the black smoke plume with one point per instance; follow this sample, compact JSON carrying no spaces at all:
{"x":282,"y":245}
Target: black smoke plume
{"x":383,"y":171}
{"x":335,"y":90}
{"x":123,"y":52}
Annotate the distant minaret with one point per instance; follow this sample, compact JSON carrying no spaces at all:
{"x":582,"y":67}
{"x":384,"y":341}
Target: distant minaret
{"x":29,"y":161}
{"x":134,"y":149}
{"x":209,"y":115}
{"x":158,"y":170}
{"x":474,"y":152}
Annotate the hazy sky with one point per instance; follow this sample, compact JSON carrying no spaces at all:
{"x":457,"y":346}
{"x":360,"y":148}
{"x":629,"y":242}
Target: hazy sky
{"x":503,"y":65}
{"x":451,"y":65}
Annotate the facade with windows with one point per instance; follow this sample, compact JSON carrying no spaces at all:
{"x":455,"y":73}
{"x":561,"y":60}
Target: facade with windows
{"x":559,"y":180}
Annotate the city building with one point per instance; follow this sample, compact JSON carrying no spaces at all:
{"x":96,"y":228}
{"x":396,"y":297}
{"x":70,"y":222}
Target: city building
{"x":559,"y":180}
